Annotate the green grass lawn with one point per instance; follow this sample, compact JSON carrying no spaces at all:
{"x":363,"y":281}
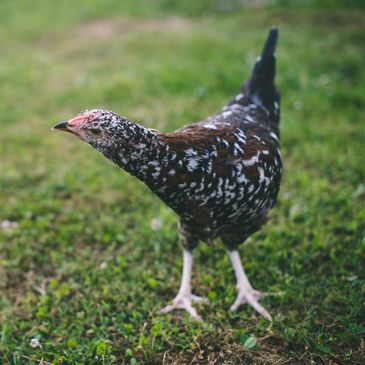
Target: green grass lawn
{"x":81,"y":270}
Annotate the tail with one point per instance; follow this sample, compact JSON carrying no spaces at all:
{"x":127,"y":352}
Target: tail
{"x":260,"y":87}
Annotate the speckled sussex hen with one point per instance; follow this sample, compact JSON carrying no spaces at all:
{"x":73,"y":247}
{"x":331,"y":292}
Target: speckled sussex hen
{"x":221,"y":176}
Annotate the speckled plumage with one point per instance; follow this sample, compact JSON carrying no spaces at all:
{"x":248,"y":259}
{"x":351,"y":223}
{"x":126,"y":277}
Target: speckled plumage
{"x":221,"y":175}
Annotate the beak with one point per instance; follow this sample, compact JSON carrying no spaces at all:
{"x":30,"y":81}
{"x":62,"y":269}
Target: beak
{"x":62,"y":126}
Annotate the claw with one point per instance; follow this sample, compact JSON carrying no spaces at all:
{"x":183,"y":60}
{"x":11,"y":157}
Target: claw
{"x":251,"y":297}
{"x":184,"y":302}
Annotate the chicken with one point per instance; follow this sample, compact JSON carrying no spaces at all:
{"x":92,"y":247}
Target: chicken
{"x":221,"y":176}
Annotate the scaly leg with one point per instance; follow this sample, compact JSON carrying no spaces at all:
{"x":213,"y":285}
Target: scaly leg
{"x":246,"y":294}
{"x":184,"y":297}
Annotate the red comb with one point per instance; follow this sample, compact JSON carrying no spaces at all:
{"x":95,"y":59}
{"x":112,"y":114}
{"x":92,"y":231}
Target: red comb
{"x":81,"y":119}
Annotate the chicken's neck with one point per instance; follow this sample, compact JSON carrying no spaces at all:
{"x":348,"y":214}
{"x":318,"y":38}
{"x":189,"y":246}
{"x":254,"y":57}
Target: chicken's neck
{"x":139,"y":151}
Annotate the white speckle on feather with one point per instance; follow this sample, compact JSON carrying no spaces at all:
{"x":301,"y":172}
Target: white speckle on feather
{"x":210,"y":126}
{"x":192,"y":164}
{"x":202,"y":186}
{"x":241,"y":178}
{"x":204,"y":201}
{"x":237,"y":146}
{"x":161,"y":189}
{"x":263,"y":177}
{"x":214,"y":153}
{"x":227,"y":113}
{"x":209,"y":167}
{"x":273,"y":135}
{"x":190,"y":152}
{"x":239,"y":97}
{"x":252,"y":161}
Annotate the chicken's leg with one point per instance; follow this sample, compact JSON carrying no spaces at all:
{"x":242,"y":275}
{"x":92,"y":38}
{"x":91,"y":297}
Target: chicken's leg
{"x":184,"y":297}
{"x":246,"y":294}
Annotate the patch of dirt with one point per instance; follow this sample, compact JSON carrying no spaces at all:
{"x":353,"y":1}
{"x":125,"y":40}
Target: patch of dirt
{"x":103,"y":29}
{"x":222,"y":348}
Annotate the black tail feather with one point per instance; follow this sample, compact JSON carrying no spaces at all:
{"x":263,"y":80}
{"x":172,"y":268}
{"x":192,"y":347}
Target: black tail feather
{"x":260,"y":87}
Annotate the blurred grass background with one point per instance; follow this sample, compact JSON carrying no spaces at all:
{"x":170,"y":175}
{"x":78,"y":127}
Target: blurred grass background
{"x":81,"y":270}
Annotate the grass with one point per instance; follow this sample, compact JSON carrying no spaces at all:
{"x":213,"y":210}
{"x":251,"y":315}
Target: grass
{"x":81,"y":270}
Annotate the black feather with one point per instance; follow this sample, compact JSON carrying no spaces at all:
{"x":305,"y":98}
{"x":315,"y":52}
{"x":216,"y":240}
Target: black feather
{"x":260,"y":87}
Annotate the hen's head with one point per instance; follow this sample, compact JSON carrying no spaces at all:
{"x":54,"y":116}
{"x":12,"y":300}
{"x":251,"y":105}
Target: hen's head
{"x":97,"y":127}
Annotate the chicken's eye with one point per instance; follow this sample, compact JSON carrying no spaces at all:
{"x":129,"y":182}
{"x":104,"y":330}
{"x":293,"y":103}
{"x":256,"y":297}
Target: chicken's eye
{"x":95,"y":132}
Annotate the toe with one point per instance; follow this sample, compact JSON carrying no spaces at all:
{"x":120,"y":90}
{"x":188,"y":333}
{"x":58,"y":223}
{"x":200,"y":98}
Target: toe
{"x":238,"y":302}
{"x":252,"y":299}
{"x":182,"y":302}
{"x":260,"y":309}
{"x":197,"y":299}
{"x":186,"y":304}
{"x":167,"y":309}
